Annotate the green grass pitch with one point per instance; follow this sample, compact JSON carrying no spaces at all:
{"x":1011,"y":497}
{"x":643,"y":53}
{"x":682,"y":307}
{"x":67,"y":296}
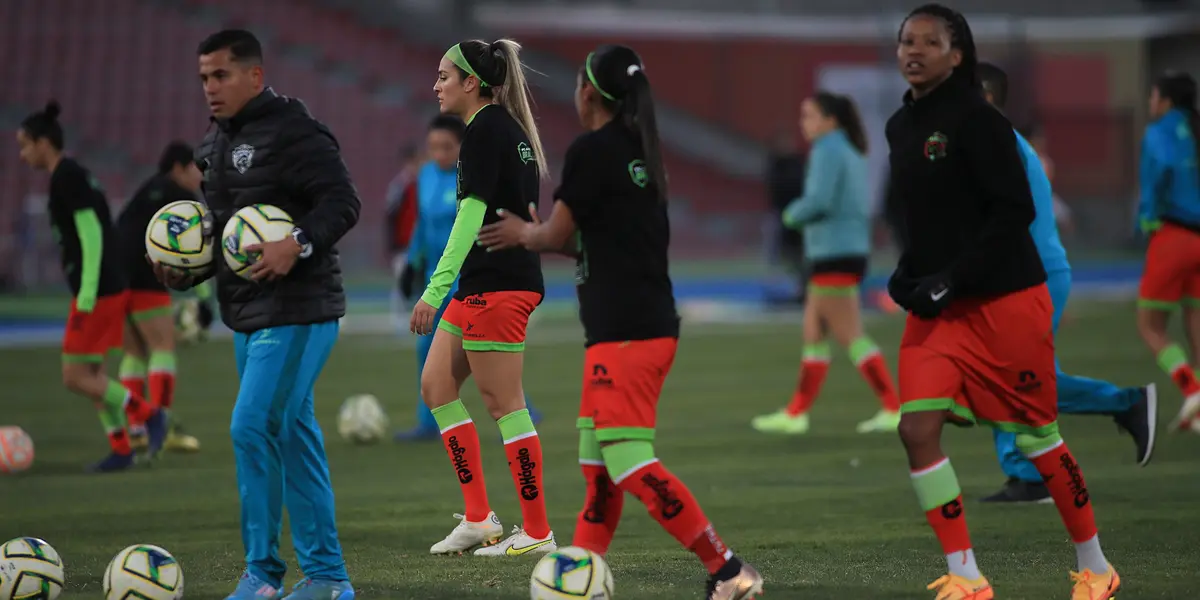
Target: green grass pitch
{"x":816,"y":526}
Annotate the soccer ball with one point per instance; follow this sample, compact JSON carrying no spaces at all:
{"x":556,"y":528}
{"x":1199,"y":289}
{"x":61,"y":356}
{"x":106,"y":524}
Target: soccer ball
{"x":187,"y":322}
{"x":143,"y":572}
{"x":30,"y":568}
{"x":252,"y":225}
{"x":571,"y":573}
{"x":16,"y":450}
{"x":361,"y":419}
{"x":180,"y":236}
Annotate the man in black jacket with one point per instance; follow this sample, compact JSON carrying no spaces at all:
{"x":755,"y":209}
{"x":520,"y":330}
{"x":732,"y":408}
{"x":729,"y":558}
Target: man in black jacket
{"x":267,"y":149}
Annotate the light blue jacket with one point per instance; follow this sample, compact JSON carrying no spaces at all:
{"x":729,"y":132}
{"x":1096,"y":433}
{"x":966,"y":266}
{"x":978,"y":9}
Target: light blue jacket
{"x":1169,"y":181}
{"x":437,"y":206}
{"x":1045,"y":227}
{"x":834,"y":211}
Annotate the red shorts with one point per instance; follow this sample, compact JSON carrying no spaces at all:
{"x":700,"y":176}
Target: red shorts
{"x":1172,"y":271}
{"x":492,"y":321}
{"x":621,"y":385}
{"x":91,"y":335}
{"x":987,"y":361}
{"x":147,"y":304}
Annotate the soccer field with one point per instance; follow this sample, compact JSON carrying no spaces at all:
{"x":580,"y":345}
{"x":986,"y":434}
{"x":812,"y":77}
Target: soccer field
{"x":826,"y":516}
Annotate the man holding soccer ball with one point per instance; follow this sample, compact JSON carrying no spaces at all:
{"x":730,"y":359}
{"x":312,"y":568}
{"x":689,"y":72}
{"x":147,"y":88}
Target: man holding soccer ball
{"x":267,"y":149}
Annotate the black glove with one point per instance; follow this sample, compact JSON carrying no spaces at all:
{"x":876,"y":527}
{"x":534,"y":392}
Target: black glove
{"x":205,"y":316}
{"x":408,"y":281}
{"x":931,"y":295}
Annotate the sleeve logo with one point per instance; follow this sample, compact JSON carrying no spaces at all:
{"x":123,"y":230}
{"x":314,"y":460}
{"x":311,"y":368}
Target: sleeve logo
{"x":524,"y":152}
{"x":638,"y":173}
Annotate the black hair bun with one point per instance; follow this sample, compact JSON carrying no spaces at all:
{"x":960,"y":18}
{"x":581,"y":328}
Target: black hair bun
{"x":52,"y":110}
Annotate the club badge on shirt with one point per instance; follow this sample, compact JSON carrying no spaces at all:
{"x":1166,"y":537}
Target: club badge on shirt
{"x":935,"y":146}
{"x":243,"y":158}
{"x":638,"y":173}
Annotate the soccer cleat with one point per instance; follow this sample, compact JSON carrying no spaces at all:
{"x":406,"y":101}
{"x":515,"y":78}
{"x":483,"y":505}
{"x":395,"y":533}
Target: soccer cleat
{"x":1090,"y":586}
{"x":114,"y":462}
{"x":1016,"y":491}
{"x":883,"y":422}
{"x":746,"y":584}
{"x":520,"y":544}
{"x":156,"y":433}
{"x":250,"y":587}
{"x":1191,"y":406}
{"x":309,"y":589}
{"x":1141,"y":423}
{"x":468,"y":535}
{"x":781,"y":422}
{"x":953,"y":587}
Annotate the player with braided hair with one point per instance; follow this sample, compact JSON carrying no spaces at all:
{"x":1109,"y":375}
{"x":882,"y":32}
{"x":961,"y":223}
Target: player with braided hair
{"x":978,"y":344}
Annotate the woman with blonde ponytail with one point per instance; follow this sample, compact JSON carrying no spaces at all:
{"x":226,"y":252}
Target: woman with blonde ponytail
{"x":482,"y":331}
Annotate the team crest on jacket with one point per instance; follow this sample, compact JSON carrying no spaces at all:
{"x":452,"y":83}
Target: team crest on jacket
{"x":243,"y":157}
{"x":935,"y":146}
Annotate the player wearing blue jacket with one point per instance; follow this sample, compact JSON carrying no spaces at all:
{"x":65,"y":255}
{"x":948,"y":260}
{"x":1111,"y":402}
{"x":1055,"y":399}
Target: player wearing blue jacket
{"x":1134,"y":409}
{"x":437,"y":205}
{"x":1169,"y":212}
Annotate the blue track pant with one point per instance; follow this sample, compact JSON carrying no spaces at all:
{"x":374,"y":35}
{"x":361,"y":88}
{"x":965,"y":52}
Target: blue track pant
{"x":1076,"y":395}
{"x":425,"y":420}
{"x":280,"y":452}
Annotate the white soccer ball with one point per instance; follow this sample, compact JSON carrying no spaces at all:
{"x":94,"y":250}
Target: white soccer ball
{"x":16,"y":450}
{"x":30,"y":568}
{"x":571,"y":573}
{"x":180,"y":235}
{"x":251,"y":225}
{"x":143,"y":572}
{"x":362,"y":420}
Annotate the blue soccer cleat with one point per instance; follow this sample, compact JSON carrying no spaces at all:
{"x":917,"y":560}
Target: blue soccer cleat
{"x":309,"y":589}
{"x":113,"y":463}
{"x":250,"y":587}
{"x":156,"y":432}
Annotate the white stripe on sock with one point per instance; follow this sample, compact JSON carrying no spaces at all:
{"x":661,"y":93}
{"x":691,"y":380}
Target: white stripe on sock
{"x":523,"y":436}
{"x":1033,"y":455}
{"x":864,"y":358}
{"x":931,"y":468}
{"x":634,"y":469}
{"x":458,"y":424}
{"x":591,"y":462}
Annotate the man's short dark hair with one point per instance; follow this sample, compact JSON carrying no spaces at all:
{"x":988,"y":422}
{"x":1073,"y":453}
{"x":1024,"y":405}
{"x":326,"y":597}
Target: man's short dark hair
{"x":994,"y":81}
{"x":241,"y":44}
{"x":449,"y":123}
{"x":175,"y":154}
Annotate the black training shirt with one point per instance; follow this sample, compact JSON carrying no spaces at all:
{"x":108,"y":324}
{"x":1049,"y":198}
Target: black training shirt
{"x":496,"y":165}
{"x":965,"y":198}
{"x":134,"y":219}
{"x":622,"y":274}
{"x":75,"y":191}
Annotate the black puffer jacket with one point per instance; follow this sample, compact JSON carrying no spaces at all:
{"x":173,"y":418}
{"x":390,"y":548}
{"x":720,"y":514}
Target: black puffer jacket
{"x":274,"y":152}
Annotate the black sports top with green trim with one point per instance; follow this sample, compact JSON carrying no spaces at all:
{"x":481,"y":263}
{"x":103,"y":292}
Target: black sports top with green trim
{"x":622,"y":277}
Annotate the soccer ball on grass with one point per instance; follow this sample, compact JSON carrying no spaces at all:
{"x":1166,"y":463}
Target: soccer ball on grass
{"x":16,"y":450}
{"x":180,"y":236}
{"x":143,"y":572}
{"x":252,"y":225}
{"x":30,"y":568}
{"x":571,"y":573}
{"x":361,"y":419}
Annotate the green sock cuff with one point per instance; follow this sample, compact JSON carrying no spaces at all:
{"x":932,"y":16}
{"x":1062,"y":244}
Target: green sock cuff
{"x":162,"y":361}
{"x":817,"y":351}
{"x":936,"y":487}
{"x":131,"y":367}
{"x":114,"y":395}
{"x":623,"y":457}
{"x":589,"y":448}
{"x":862,"y":348}
{"x":1172,"y":357}
{"x":111,"y":420}
{"x":515,"y":424}
{"x":1030,"y":444}
{"x":450,"y":414}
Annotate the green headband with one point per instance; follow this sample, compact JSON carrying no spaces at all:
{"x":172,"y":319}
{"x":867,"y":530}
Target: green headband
{"x":455,"y":54}
{"x":587,"y":66}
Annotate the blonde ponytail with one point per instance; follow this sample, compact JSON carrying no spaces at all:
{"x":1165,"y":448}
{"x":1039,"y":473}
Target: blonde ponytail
{"x":516,"y":98}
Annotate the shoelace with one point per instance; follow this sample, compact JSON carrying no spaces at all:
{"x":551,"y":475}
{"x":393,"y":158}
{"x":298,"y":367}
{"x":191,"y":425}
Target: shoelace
{"x":944,"y":582}
{"x":1082,"y":584}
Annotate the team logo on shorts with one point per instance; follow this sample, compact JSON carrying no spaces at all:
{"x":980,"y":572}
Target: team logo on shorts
{"x":525,"y":152}
{"x":638,"y":173}
{"x":243,"y":157}
{"x":935,"y":146}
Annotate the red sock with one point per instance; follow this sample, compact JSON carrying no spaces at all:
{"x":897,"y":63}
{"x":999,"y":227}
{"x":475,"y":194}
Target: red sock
{"x":119,"y":442}
{"x":462,"y":445}
{"x":673,"y":506}
{"x":1064,"y":480}
{"x":162,"y":388}
{"x":949,"y":524}
{"x":597,"y":522}
{"x":135,"y":385}
{"x":875,"y":371}
{"x":525,"y":464}
{"x":1185,"y":378}
{"x":137,"y":410}
{"x":812,"y":376}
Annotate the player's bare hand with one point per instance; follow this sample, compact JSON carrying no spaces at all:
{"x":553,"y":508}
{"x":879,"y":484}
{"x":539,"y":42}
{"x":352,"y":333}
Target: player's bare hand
{"x":510,"y":231}
{"x":275,"y":259}
{"x":172,"y":277}
{"x":421,"y":322}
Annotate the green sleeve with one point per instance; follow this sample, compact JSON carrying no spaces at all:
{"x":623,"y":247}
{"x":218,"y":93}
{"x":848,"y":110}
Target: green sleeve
{"x":204,"y":290}
{"x":91,"y":242}
{"x":462,"y":236}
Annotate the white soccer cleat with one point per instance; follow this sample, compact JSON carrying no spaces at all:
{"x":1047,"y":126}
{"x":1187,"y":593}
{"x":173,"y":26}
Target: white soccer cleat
{"x":520,"y":544}
{"x":468,"y":535}
{"x":1187,"y":414}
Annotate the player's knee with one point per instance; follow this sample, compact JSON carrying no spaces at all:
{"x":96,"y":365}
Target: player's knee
{"x":243,"y":429}
{"x":437,"y":389}
{"x":1034,"y":444}
{"x":623,"y":457}
{"x":920,"y":429}
{"x":75,"y":377}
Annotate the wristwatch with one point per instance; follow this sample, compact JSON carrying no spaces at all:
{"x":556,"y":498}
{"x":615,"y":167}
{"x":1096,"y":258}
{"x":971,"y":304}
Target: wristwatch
{"x":306,"y":248}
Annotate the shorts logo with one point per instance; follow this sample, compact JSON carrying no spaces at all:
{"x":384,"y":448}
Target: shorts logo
{"x":669,"y":504}
{"x":460,"y":464}
{"x":600,"y":376}
{"x":1028,"y":382}
{"x":1077,"y":485}
{"x":935,"y":146}
{"x":476,"y":301}
{"x":952,"y":509}
{"x":638,"y":173}
{"x":243,"y":157}
{"x":524,"y":152}
{"x":525,"y":477}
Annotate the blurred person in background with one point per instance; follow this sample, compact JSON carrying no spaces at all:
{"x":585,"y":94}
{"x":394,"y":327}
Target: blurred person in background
{"x":435,"y":192}
{"x":400,"y":204}
{"x":1135,"y":409}
{"x":149,"y":360}
{"x":1169,"y":212}
{"x":83,"y":227}
{"x":834,"y":215}
{"x":1063,"y":216}
{"x":785,"y":183}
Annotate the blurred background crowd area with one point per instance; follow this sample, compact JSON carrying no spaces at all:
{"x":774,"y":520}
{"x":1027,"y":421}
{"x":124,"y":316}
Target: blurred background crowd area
{"x":729,"y":77}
